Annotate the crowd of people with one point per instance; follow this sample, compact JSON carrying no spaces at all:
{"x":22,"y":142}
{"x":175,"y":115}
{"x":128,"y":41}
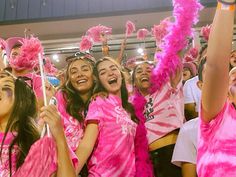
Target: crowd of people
{"x":112,"y":121}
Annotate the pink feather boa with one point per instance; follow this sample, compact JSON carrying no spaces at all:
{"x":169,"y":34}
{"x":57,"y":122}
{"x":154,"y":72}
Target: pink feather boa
{"x":85,"y":44}
{"x":130,"y":28}
{"x":95,"y":32}
{"x":186,"y":15}
{"x":28,"y":57}
{"x":3,"y":44}
{"x":142,"y":34}
{"x":143,"y":163}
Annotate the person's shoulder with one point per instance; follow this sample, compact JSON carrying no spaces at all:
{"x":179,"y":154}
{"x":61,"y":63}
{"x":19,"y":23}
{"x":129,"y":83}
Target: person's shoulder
{"x":190,"y":125}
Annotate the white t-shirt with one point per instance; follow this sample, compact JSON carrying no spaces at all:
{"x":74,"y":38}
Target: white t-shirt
{"x":192,"y":94}
{"x":186,"y":145}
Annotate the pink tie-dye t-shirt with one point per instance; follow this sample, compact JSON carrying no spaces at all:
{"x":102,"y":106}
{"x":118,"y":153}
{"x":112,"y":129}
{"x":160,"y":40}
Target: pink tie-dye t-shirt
{"x":216,"y":155}
{"x":4,"y":158}
{"x":73,"y":128}
{"x":113,"y":154}
{"x":164,"y":111}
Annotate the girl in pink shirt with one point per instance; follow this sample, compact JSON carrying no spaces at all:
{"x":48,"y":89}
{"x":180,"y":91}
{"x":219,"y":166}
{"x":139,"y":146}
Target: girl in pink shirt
{"x":110,"y":126}
{"x":217,"y":143}
{"x":73,"y":98}
{"x":18,"y":132}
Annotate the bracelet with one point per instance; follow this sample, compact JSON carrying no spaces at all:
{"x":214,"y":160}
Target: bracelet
{"x":222,"y":6}
{"x":226,"y":2}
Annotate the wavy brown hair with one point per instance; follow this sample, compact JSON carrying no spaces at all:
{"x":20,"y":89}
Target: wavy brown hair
{"x":74,"y":103}
{"x":124,"y":92}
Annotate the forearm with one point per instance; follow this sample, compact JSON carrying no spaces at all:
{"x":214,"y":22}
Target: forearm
{"x":188,"y":170}
{"x":65,"y":165}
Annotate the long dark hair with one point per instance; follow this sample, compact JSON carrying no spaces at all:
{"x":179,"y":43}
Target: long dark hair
{"x":124,"y":92}
{"x":74,"y":103}
{"x":21,"y":121}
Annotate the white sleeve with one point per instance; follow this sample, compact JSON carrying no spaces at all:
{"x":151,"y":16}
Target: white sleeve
{"x":185,"y":150}
{"x":188,"y":94}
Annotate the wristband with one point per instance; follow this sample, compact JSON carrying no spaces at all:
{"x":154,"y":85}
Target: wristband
{"x":226,"y":2}
{"x":222,"y":6}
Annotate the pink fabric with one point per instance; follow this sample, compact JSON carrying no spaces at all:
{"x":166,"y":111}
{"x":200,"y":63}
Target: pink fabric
{"x":114,"y":153}
{"x":217,"y":145}
{"x":41,"y":160}
{"x":164,"y":111}
{"x":37,"y":84}
{"x":73,"y":128}
{"x":4,"y":159}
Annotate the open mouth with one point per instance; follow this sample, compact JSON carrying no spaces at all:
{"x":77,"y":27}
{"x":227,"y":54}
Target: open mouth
{"x":145,"y":79}
{"x":81,"y":81}
{"x":112,"y":81}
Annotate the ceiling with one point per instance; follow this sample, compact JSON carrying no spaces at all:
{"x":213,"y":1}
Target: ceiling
{"x":62,"y":37}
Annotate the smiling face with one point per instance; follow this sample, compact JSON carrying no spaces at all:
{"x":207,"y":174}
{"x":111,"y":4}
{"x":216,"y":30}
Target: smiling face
{"x":142,"y":75}
{"x":110,"y":77}
{"x":81,"y":76}
{"x":7,"y":87}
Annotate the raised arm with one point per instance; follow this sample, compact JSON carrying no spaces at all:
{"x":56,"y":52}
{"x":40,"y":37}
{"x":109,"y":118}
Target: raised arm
{"x":216,"y":80}
{"x":122,"y":49}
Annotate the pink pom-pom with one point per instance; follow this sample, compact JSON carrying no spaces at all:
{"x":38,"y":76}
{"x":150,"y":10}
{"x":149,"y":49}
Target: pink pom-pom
{"x":28,"y":57}
{"x":49,"y":67}
{"x":193,"y":52}
{"x":130,"y":28}
{"x":3,"y":44}
{"x":95,"y":32}
{"x":85,"y":44}
{"x":161,"y":30}
{"x":188,"y":58}
{"x":142,"y":34}
{"x":205,"y":32}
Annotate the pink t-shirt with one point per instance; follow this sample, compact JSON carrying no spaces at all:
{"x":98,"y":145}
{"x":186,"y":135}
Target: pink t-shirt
{"x":217,"y":145}
{"x":164,"y":111}
{"x":4,"y":159}
{"x":73,"y":128}
{"x":113,"y":153}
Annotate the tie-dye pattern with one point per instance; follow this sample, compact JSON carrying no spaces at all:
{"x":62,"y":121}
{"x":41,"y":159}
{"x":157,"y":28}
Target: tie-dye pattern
{"x":217,"y":145}
{"x":113,"y":154}
{"x":164,"y":111}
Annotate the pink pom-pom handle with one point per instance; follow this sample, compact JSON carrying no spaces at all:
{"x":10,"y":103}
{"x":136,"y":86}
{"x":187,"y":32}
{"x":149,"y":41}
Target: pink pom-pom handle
{"x":85,"y":44}
{"x":130,"y":28}
{"x":142,"y":34}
